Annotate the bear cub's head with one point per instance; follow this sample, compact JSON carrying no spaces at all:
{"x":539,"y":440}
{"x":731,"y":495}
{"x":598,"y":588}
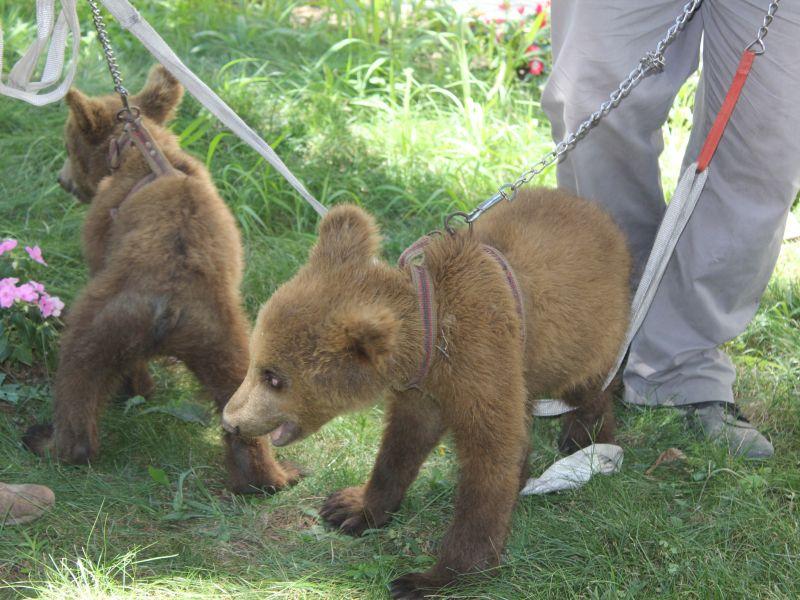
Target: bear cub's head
{"x":93,"y":122}
{"x":326,"y":342}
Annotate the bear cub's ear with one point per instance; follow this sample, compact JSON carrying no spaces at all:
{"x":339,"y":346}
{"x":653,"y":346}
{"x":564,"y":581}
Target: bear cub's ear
{"x":160,"y":96}
{"x":88,"y":114}
{"x":367,"y":334}
{"x":347,"y":234}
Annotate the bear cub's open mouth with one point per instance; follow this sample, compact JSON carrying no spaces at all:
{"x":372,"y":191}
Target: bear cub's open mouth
{"x":285,"y":433}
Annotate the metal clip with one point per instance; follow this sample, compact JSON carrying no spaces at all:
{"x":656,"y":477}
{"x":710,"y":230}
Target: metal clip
{"x":483,"y":207}
{"x":501,"y":194}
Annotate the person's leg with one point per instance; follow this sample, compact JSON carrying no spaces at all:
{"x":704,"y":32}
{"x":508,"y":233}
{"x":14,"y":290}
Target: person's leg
{"x":726,"y":255}
{"x":595,"y":46}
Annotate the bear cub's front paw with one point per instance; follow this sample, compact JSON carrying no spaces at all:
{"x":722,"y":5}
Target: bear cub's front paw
{"x":345,"y":510}
{"x":414,"y":586}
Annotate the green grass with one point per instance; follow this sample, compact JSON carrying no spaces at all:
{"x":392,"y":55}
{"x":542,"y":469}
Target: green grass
{"x":411,"y":115}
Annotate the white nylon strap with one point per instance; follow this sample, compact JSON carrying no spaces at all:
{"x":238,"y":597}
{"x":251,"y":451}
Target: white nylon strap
{"x":550,"y":407}
{"x":51,"y":35}
{"x":131,"y":20}
{"x":575,"y":470}
{"x":672,"y":225}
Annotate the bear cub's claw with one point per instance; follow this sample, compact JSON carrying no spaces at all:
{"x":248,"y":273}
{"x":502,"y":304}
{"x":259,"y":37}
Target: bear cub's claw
{"x":345,"y":511}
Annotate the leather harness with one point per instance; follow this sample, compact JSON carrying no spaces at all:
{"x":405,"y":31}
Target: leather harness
{"x":413,"y":257}
{"x":136,"y":134}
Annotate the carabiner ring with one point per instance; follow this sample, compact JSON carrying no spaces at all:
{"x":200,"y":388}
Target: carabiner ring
{"x":756,"y":43}
{"x":129,"y":114}
{"x":461,"y":214}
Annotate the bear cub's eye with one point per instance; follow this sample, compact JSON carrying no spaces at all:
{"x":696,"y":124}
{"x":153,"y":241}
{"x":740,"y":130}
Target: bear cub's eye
{"x":271,"y":379}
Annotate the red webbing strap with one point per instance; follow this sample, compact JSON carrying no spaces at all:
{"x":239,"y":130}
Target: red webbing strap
{"x":724,"y":115}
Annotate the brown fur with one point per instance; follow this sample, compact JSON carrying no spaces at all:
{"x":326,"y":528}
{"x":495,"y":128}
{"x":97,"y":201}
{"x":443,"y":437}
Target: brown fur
{"x":346,"y":329}
{"x":165,"y":275}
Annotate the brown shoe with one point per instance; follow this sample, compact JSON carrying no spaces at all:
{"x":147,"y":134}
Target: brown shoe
{"x":24,"y":503}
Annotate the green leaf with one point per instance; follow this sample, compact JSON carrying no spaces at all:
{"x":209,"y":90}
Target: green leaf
{"x":23,"y":354}
{"x":158,"y":475}
{"x":187,"y":412}
{"x":11,"y":393}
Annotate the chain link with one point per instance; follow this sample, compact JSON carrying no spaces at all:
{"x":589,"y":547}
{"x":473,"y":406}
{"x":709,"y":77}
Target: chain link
{"x":652,"y":62}
{"x":757,"y":45}
{"x":111,"y":59}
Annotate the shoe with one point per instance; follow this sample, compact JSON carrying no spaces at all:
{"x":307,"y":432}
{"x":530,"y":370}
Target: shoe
{"x":24,"y":503}
{"x":723,"y":421}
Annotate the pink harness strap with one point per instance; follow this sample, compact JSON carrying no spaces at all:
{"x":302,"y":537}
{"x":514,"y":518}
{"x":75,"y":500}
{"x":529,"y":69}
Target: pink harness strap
{"x":136,"y":133}
{"x":511,"y":279}
{"x":414,"y":258}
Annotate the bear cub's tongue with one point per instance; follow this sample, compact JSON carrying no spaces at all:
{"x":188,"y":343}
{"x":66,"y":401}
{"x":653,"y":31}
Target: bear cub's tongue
{"x":283,"y":434}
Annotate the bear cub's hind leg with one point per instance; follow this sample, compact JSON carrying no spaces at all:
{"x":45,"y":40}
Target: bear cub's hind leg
{"x":592,"y":422}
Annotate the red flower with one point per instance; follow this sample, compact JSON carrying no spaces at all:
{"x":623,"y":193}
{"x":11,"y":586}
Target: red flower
{"x":536,"y":67}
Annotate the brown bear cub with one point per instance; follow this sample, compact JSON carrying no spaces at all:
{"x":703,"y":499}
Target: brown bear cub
{"x":347,"y":329}
{"x":165,"y":263}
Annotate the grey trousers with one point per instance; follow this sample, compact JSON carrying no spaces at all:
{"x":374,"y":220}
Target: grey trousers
{"x":725,"y":257}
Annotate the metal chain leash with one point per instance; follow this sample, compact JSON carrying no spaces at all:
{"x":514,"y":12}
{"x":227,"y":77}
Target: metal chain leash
{"x":757,"y":46}
{"x":127,"y":113}
{"x":652,"y":62}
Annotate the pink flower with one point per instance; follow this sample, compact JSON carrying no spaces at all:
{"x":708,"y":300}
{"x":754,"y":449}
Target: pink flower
{"x":7,"y":245}
{"x":7,"y":297}
{"x":536,"y":67}
{"x":36,"y":254}
{"x":8,"y":291}
{"x":504,"y":6}
{"x":50,"y":306}
{"x":37,"y":287}
{"x":521,"y":9}
{"x":26,"y":293}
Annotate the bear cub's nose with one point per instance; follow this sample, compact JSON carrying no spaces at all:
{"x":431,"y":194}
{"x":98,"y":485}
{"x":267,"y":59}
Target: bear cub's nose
{"x":230,"y":428}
